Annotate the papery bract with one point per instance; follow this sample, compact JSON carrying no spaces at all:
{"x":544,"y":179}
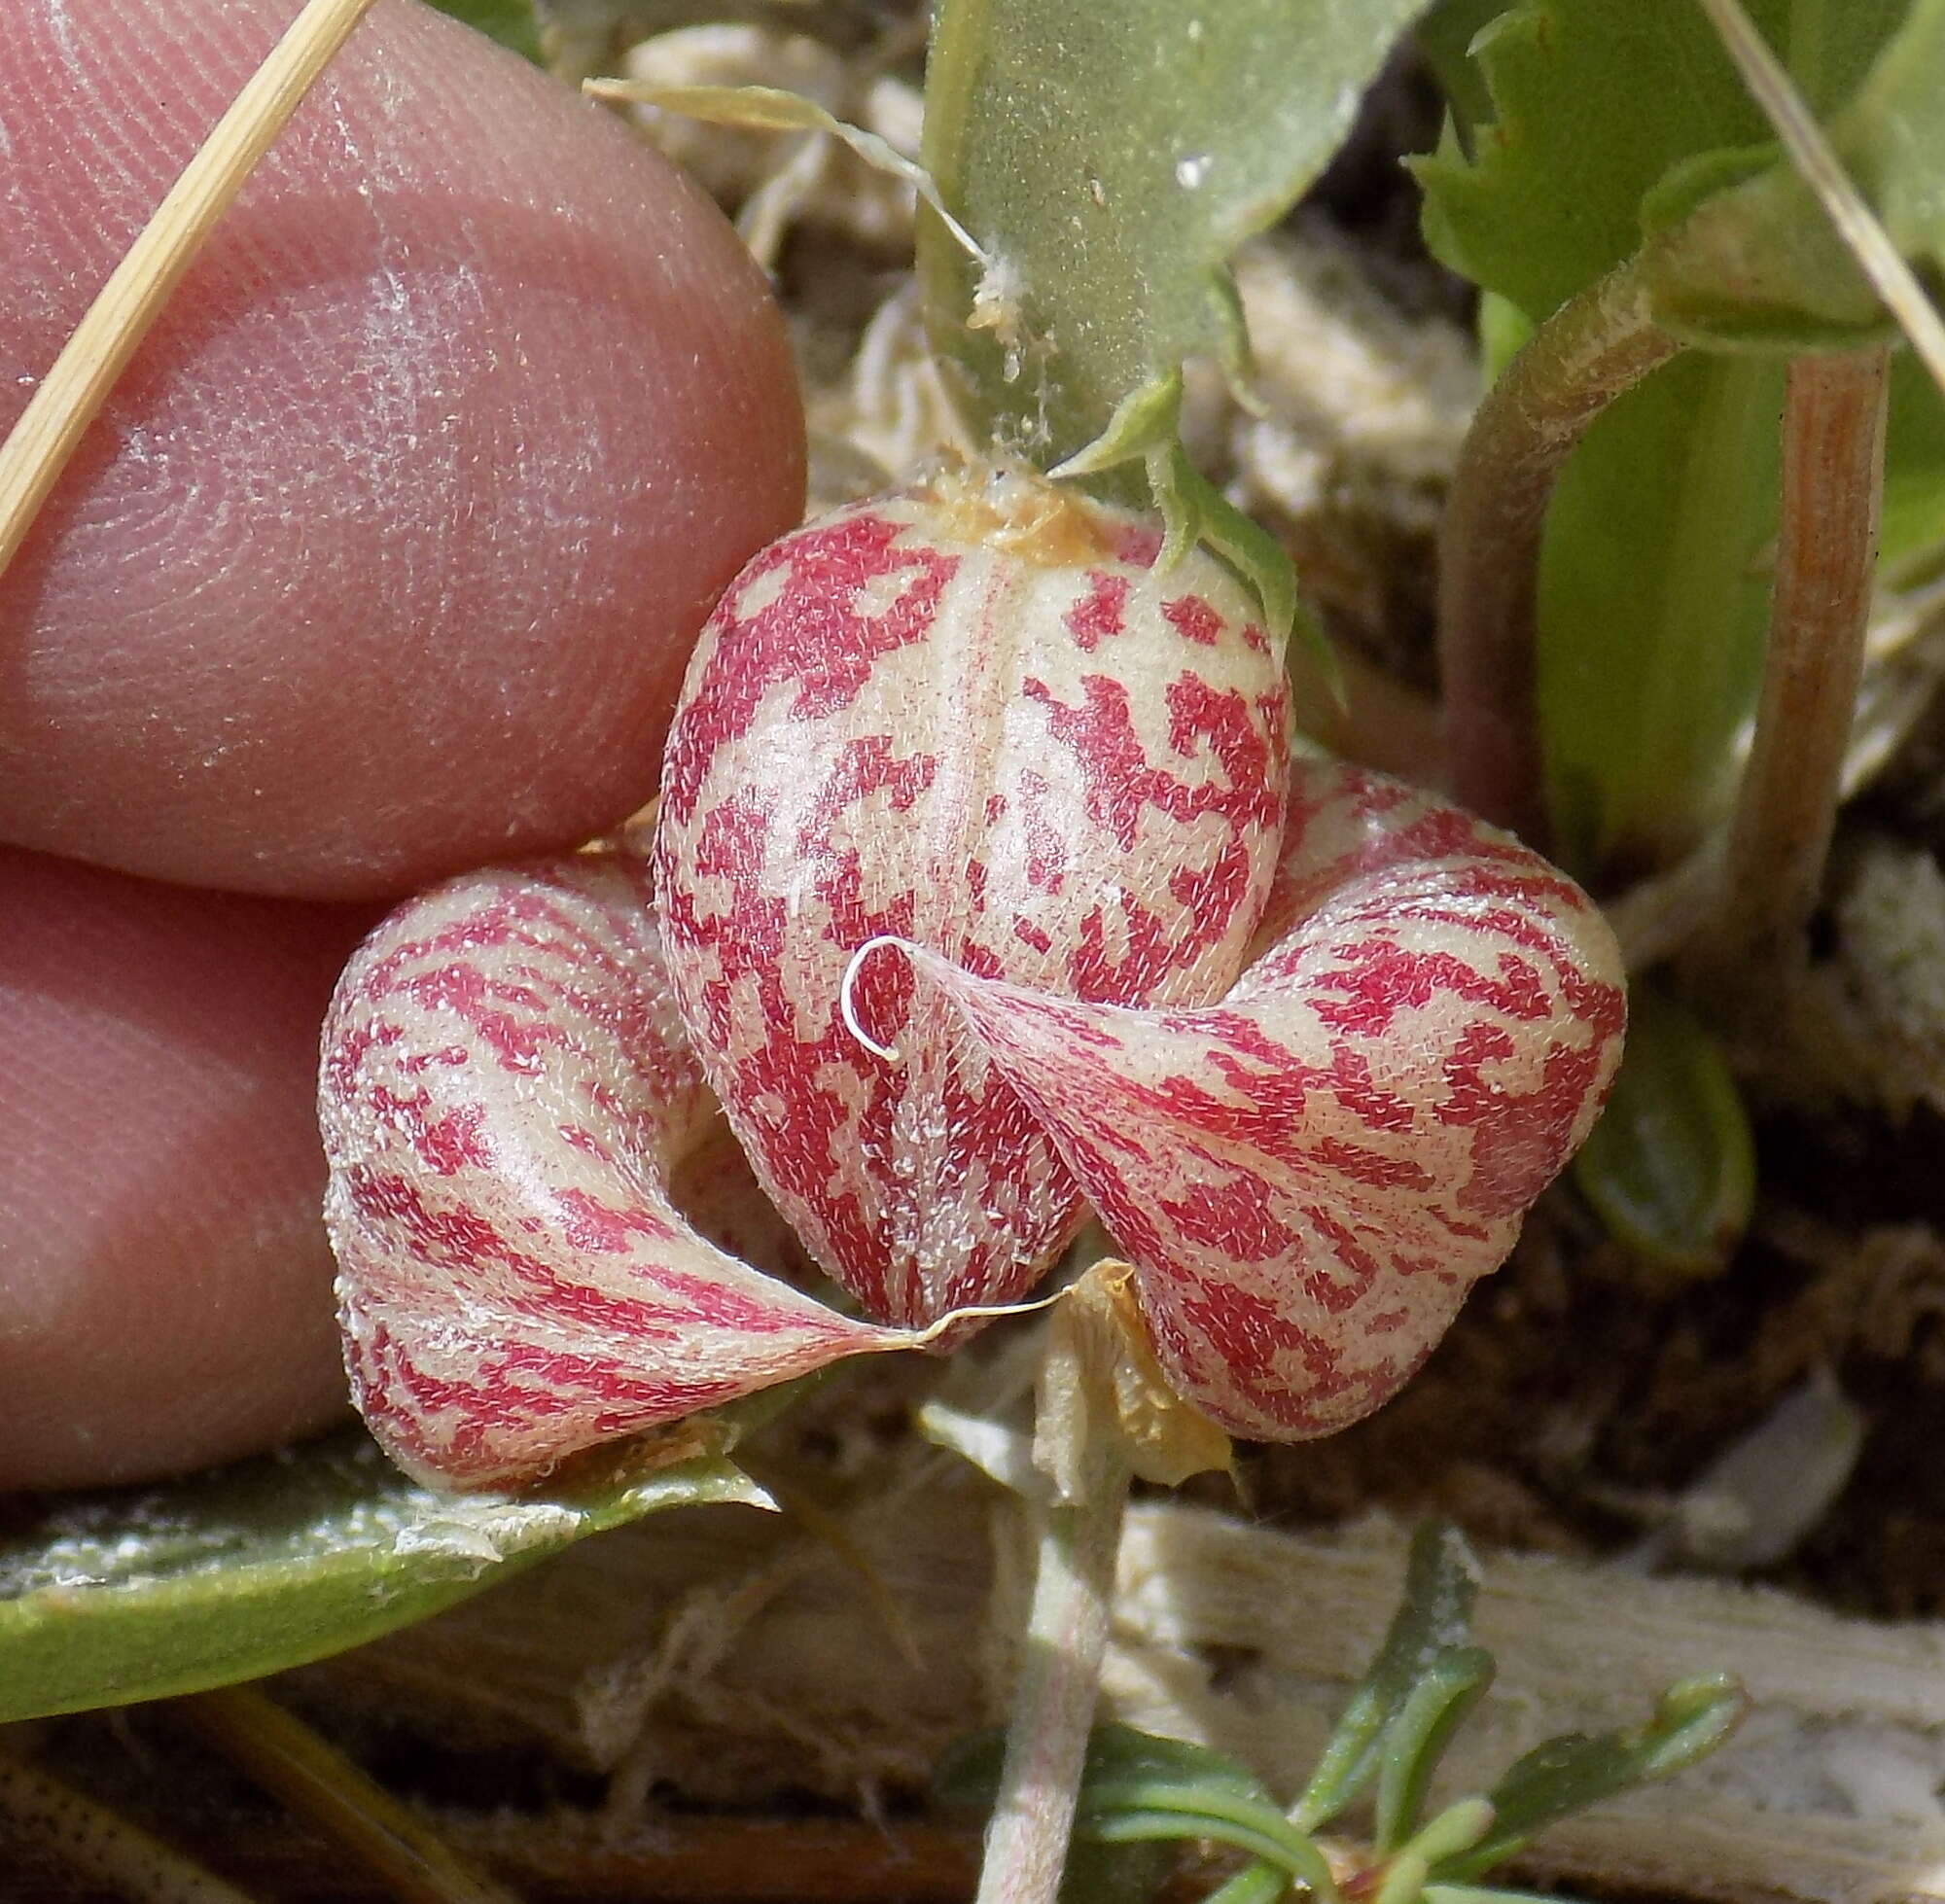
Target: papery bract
{"x":975,"y":715}
{"x":1309,"y":1176}
{"x":506,"y":1097}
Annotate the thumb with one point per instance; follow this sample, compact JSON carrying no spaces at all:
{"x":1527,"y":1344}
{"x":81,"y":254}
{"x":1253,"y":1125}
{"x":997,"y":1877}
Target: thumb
{"x":386,"y":555}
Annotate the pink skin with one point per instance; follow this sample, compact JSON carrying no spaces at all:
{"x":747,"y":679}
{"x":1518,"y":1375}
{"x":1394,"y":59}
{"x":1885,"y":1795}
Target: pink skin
{"x":384,"y":560}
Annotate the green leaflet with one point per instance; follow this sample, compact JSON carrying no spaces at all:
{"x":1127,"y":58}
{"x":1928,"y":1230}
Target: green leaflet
{"x":1892,"y":134}
{"x":510,"y":21}
{"x":1383,"y":1731}
{"x":139,"y":1593}
{"x":1593,"y":103}
{"x":1570,"y":1774}
{"x":1671,"y":1166}
{"x":1108,"y":160}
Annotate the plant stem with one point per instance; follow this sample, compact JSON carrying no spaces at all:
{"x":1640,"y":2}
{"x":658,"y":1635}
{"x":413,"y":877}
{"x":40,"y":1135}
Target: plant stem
{"x":1833,"y":425}
{"x":320,"y":1783}
{"x":1601,"y":342}
{"x":1077,"y":1443}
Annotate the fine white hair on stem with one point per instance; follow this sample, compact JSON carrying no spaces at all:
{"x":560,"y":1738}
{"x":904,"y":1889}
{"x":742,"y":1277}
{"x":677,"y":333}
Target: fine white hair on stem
{"x":847,"y":1003}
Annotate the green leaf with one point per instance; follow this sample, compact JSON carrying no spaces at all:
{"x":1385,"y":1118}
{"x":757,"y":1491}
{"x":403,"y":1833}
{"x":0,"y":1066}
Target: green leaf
{"x":1671,"y":1166}
{"x":509,"y":21}
{"x":1419,"y":1732}
{"x":1653,"y":605}
{"x":1912,"y":529}
{"x":1109,"y":158}
{"x":1594,"y":102}
{"x":1118,"y":1759}
{"x":1653,"y":593}
{"x":1764,"y":256}
{"x":127,"y":1594}
{"x":1568,"y":1773}
{"x":1445,"y":37}
{"x":1137,"y":1788}
{"x":1892,"y":134}
{"x":1429,"y":1637}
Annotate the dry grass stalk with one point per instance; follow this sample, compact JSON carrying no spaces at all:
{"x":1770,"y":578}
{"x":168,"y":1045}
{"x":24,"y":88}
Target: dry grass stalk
{"x":75,"y":387}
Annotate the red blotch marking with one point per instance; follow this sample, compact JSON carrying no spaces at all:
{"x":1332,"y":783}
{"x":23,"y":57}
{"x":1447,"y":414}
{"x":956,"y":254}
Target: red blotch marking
{"x":1522,"y":1137}
{"x":1194,"y":619}
{"x":866,"y":765}
{"x":812,"y":635}
{"x":1102,"y":613}
{"x":1377,"y":978}
{"x":1233,"y":1219}
{"x":1047,"y":847}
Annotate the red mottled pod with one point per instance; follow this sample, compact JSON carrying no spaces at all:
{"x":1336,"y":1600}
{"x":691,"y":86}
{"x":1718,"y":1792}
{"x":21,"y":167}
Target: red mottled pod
{"x":977,"y":716}
{"x":506,"y":1099}
{"x":1309,"y":1176}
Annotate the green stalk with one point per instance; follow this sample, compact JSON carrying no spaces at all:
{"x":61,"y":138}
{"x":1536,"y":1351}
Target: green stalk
{"x":1601,"y":342}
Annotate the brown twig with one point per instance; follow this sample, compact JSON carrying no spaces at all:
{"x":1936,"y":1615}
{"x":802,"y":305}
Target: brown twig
{"x":1600,"y":344}
{"x":321,"y":1784}
{"x":1833,"y":425}
{"x":76,"y":384}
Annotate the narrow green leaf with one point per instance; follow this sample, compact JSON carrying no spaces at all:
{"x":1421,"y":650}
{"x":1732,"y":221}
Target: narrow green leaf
{"x":1263,"y":1839}
{"x":1119,"y":1759}
{"x":1568,"y":1773}
{"x":1109,"y":158}
{"x":510,"y":21}
{"x":132,"y":1594}
{"x":1912,"y":529}
{"x":1671,"y":1166}
{"x":1254,"y":1883}
{"x":1431,"y":1626}
{"x":1419,"y":1733}
{"x":1653,"y":604}
{"x":1138,"y":1788}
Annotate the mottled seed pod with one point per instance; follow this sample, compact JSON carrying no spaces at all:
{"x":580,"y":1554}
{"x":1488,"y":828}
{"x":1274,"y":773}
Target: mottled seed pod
{"x":1309,"y":1176}
{"x":977,"y":722}
{"x":507,"y":1098}
{"x":977,"y":716}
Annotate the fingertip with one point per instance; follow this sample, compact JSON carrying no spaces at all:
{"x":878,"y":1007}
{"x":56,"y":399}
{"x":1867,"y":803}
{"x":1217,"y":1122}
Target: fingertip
{"x":164,"y":1278}
{"x":386,"y":556}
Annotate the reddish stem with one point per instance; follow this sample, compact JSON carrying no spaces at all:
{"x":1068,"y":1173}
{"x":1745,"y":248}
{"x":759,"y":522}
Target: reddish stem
{"x":1833,"y":426}
{"x":1597,"y":345}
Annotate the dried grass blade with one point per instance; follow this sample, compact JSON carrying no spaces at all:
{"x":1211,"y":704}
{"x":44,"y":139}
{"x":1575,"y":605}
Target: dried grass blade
{"x":72,"y":393}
